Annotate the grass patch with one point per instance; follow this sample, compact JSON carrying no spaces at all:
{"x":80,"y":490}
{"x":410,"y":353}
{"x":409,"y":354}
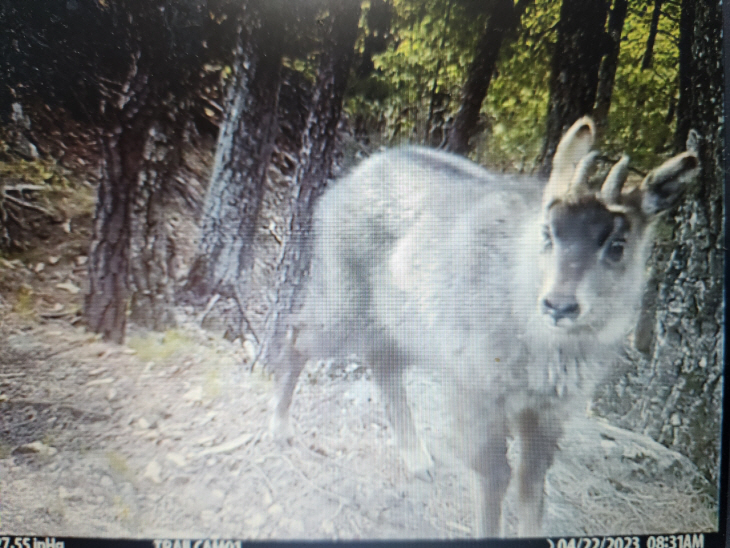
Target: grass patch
{"x":160,"y":347}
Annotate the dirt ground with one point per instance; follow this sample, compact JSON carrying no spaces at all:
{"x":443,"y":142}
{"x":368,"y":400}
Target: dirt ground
{"x":166,"y":436}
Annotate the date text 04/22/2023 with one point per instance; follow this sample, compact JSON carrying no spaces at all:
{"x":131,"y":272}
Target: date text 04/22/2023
{"x":687,"y":540}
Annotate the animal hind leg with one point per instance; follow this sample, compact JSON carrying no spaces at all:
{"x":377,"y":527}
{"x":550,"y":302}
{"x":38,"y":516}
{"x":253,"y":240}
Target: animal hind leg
{"x":388,"y":363}
{"x":291,"y":363}
{"x":539,"y":433}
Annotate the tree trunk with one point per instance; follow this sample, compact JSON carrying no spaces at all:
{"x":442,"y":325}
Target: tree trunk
{"x":686,"y":65}
{"x":315,"y":159}
{"x":653,"y":29}
{"x":502,"y":20}
{"x":607,"y":72}
{"x":122,"y":144}
{"x":244,"y":149}
{"x":152,"y":244}
{"x":574,"y":69}
{"x":688,"y":353}
{"x":675,"y":395}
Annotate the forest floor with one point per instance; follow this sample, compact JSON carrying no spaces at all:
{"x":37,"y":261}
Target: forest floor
{"x":166,"y":436}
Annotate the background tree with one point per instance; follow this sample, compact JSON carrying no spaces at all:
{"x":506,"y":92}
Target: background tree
{"x":680,"y":405}
{"x":503,"y":18}
{"x":243,"y":152}
{"x":316,"y":157}
{"x":580,"y":45}
{"x":609,"y":64}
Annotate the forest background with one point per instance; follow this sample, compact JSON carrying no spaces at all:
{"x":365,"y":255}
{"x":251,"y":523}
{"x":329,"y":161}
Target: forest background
{"x":196,"y":137}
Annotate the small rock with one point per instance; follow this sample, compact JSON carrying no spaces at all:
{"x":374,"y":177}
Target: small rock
{"x":53,"y":260}
{"x":67,"y":226}
{"x":111,"y":394}
{"x":152,"y":472}
{"x":39,"y":268}
{"x":81,"y":260}
{"x":143,"y":423}
{"x":37,"y":447}
{"x":70,"y":287}
{"x":194,"y":394}
{"x":177,"y":459}
{"x":255,"y":521}
{"x":275,"y":509}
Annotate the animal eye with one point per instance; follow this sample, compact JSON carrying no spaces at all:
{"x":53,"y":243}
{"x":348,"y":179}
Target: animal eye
{"x":547,"y":239}
{"x":615,"y":250}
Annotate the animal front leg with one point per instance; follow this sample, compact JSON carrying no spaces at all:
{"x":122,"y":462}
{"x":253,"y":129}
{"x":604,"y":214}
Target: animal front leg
{"x":388,"y":364}
{"x":538,"y":432}
{"x":494,"y":475}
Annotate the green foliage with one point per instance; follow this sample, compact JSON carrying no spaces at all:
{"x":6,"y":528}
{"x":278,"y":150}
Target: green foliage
{"x":433,"y":46}
{"x":433,"y":42}
{"x":517,"y":102}
{"x":643,"y":99}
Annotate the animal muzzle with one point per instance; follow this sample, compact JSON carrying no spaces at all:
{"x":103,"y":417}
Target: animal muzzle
{"x":560,"y":307}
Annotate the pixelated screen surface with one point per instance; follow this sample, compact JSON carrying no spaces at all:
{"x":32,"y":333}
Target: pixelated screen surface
{"x":340,"y":270}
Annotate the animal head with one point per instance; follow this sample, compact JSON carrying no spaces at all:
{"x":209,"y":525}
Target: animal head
{"x":596,"y":238}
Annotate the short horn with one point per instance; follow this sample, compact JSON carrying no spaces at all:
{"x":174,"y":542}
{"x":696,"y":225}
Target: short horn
{"x":611,"y":189}
{"x":579,"y":184}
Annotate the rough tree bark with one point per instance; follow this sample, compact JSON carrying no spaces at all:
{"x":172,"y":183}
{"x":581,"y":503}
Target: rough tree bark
{"x":315,"y":158}
{"x":574,"y":69}
{"x":503,"y":19}
{"x":152,"y":243}
{"x":674,"y":393}
{"x":122,"y":142}
{"x":244,"y":149}
{"x":607,"y":72}
{"x":688,"y":354}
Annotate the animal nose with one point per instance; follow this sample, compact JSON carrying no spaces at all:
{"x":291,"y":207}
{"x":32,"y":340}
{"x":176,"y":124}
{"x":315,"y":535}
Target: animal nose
{"x":560,"y":310}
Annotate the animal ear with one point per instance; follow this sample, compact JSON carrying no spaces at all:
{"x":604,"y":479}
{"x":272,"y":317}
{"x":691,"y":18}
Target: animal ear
{"x":663,"y":187}
{"x":574,"y":145}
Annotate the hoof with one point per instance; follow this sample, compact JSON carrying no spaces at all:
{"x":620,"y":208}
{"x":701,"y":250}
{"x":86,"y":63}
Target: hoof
{"x":281,"y":429}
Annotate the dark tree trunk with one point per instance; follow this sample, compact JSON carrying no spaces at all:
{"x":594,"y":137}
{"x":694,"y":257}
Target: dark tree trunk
{"x":688,"y":353}
{"x":686,"y":39}
{"x":152,"y":243}
{"x":574,"y":69}
{"x":607,"y":72}
{"x":674,"y":394}
{"x":502,"y":20}
{"x":315,"y":158}
{"x":122,"y":143}
{"x":439,"y":100}
{"x":244,"y":150}
{"x":653,"y":29}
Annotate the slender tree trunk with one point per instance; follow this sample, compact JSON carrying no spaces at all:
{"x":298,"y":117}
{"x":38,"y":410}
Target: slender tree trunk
{"x":502,"y":20}
{"x":122,"y":143}
{"x":316,"y":157}
{"x":574,"y":69}
{"x":607,"y":72}
{"x":244,"y":149}
{"x":686,"y":65}
{"x":653,"y":29}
